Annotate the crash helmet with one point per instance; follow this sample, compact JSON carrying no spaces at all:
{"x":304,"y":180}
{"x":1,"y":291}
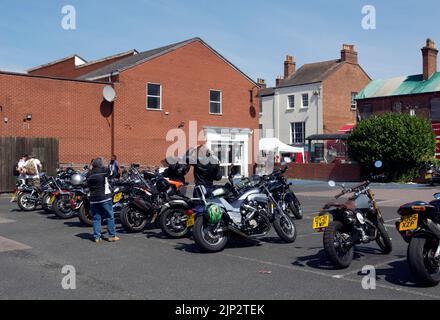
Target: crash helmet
{"x":214,"y":213}
{"x":77,"y":179}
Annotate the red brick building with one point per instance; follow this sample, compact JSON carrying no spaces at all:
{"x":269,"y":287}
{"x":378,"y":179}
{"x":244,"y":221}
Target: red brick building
{"x":418,"y":95}
{"x":157,"y":90}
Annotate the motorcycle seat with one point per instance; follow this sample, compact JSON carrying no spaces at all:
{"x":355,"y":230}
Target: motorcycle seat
{"x":349,"y":205}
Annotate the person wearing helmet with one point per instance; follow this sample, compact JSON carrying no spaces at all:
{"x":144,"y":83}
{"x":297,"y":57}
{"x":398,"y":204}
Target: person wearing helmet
{"x":206,"y":168}
{"x":100,"y":197}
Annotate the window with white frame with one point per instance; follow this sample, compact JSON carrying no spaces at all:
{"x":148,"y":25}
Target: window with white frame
{"x":291,"y":102}
{"x":353,"y":105}
{"x":305,"y":100}
{"x":215,"y":102}
{"x":154,"y":96}
{"x":298,"y":130}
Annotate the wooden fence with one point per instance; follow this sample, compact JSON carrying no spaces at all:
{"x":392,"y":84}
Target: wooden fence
{"x":12,"y":148}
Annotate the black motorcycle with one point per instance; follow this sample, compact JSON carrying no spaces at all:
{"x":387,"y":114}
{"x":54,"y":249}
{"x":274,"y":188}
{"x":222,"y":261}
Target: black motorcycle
{"x":420,"y":228}
{"x":30,"y":197}
{"x":356,"y":221}
{"x":283,"y":194}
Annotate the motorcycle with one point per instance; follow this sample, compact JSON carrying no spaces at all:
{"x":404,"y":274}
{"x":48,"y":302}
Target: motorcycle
{"x":29,"y":198}
{"x":150,"y":192}
{"x":284,"y":196}
{"x":419,"y":226}
{"x":248,"y":215}
{"x":356,"y":221}
{"x":432,"y":175}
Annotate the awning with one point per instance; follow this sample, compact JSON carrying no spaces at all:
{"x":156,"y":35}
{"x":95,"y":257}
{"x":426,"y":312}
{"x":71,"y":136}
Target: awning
{"x":273,"y":144}
{"x":347,"y":128}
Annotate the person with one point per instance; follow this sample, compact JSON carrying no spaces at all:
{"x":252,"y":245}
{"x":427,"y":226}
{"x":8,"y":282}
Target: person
{"x":33,"y":168}
{"x":100,"y":197}
{"x":114,"y":167}
{"x":20,"y":167}
{"x":206,"y":168}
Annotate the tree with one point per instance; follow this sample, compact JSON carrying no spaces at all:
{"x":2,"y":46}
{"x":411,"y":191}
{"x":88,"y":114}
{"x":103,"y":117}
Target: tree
{"x":403,"y":143}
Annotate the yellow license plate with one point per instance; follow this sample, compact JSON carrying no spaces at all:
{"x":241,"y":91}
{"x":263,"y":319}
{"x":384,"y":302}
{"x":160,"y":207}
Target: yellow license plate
{"x":321,"y":222}
{"x":51,"y":200}
{"x":117,"y":197}
{"x":409,"y":223}
{"x":428,"y":176}
{"x":190,"y":221}
{"x":13,"y":195}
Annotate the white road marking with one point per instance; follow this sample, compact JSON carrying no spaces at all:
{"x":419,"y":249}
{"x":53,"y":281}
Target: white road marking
{"x":4,"y":220}
{"x":11,"y":245}
{"x":340,"y":276}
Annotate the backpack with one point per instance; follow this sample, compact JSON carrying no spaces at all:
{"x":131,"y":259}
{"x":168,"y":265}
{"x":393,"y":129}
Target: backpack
{"x":30,"y":167}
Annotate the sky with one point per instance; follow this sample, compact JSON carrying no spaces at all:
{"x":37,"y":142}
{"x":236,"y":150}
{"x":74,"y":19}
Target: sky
{"x":255,"y":35}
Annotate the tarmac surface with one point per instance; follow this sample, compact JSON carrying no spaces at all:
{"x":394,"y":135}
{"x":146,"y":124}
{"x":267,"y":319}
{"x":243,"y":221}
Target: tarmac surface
{"x":34,"y":248}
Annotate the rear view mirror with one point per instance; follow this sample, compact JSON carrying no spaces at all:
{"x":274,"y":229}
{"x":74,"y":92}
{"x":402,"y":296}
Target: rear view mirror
{"x":437,"y":196}
{"x":332,"y":184}
{"x":378,"y":164}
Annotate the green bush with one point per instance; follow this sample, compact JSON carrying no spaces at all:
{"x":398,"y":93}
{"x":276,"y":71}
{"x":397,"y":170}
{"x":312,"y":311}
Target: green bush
{"x":403,"y":144}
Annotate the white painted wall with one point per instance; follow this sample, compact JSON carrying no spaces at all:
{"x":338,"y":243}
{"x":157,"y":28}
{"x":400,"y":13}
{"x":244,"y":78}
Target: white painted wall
{"x":277,"y":116}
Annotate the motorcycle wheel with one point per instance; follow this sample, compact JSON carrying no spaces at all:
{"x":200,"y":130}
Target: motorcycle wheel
{"x":285,"y":228}
{"x":46,"y":205}
{"x":85,"y":216}
{"x":336,"y":253}
{"x":61,"y":208}
{"x":206,"y":239}
{"x":421,"y":261}
{"x":384,"y":240}
{"x":26,"y":203}
{"x":171,"y":224}
{"x":295,"y":210}
{"x":132,"y":220}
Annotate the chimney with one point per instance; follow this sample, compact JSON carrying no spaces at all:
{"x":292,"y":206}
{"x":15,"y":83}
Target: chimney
{"x":261,"y":83}
{"x":289,"y":67}
{"x":279,"y":81}
{"x":349,"y":53}
{"x":429,"y":59}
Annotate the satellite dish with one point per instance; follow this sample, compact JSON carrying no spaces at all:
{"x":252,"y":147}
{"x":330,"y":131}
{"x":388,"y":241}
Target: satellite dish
{"x":109,"y":94}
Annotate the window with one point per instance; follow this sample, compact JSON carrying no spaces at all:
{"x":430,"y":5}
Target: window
{"x":412,"y":112}
{"x":367,"y":111}
{"x":291,"y":102}
{"x":260,"y":127}
{"x":298,"y":130}
{"x":305,"y":100}
{"x":261,"y":108}
{"x":397,"y":107}
{"x":154,"y":96}
{"x":435,"y":109}
{"x":353,"y":101}
{"x":215,"y":102}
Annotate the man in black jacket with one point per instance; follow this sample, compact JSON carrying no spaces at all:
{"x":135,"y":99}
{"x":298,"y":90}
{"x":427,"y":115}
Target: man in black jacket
{"x":100,"y":197}
{"x":206,"y":168}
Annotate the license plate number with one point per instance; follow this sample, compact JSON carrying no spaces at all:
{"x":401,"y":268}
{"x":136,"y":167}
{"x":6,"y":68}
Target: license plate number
{"x":117,"y":197}
{"x":428,"y":176}
{"x":190,"y":221}
{"x":321,"y":222}
{"x":409,"y":223}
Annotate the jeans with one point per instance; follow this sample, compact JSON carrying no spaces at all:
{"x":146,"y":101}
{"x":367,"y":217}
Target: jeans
{"x":99,"y":211}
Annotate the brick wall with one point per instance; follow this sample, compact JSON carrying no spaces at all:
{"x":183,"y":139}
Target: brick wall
{"x":68,"y":110}
{"x":186,"y":75}
{"x":337,"y":96}
{"x":71,"y":110}
{"x":325,"y":172}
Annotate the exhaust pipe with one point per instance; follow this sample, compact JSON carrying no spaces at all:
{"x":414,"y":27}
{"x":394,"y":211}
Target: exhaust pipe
{"x":235,"y":230}
{"x":433,"y":227}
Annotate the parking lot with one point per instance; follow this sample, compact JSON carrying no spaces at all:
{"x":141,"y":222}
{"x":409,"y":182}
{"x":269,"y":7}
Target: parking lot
{"x":35,"y":246}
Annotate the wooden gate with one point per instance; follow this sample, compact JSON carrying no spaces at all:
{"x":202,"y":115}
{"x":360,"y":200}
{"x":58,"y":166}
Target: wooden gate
{"x":12,"y":148}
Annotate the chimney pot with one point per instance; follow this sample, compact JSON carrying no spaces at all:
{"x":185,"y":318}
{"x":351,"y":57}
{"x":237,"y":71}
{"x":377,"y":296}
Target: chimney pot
{"x":261,"y":83}
{"x":429,"y":53}
{"x":279,"y":81}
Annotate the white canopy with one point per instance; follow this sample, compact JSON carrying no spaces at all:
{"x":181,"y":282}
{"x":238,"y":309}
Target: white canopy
{"x":273,"y":144}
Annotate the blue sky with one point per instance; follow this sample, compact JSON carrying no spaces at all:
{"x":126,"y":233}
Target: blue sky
{"x":255,"y":35}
